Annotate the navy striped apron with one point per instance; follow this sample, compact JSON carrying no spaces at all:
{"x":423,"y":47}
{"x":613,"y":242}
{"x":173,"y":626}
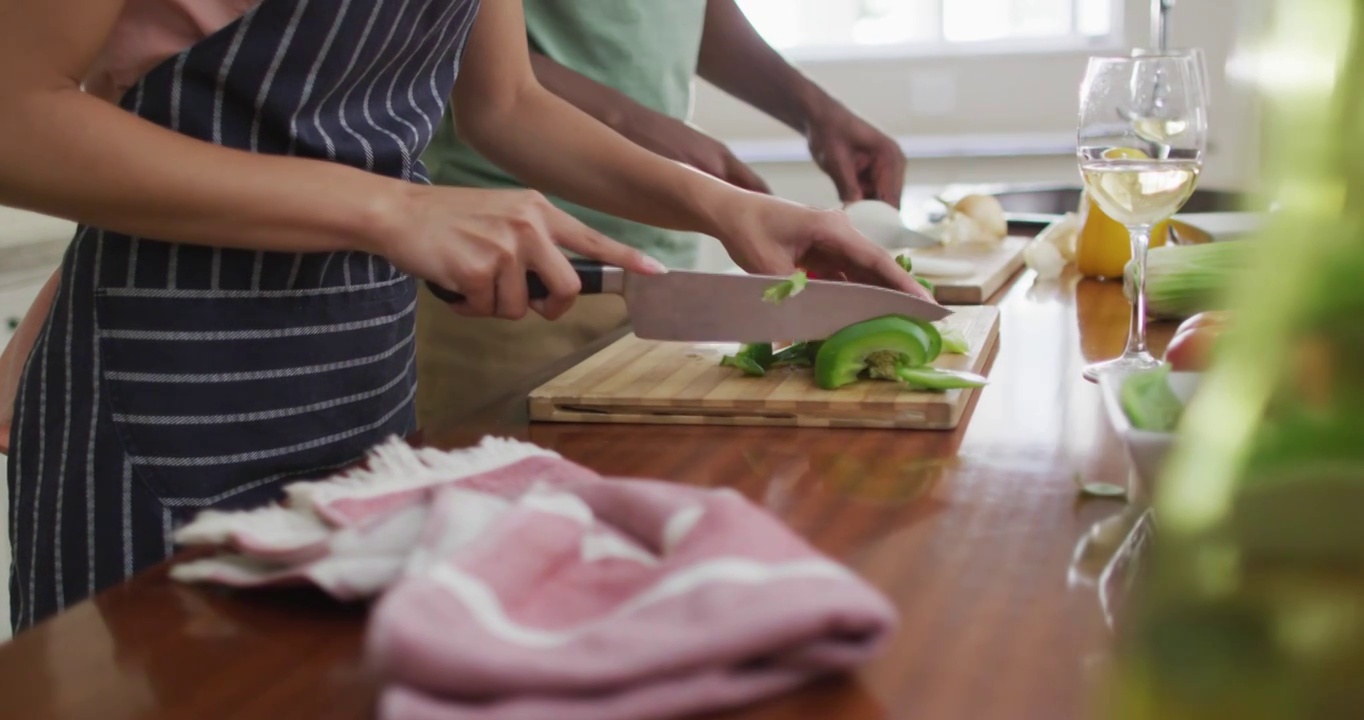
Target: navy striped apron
{"x":169,"y":378}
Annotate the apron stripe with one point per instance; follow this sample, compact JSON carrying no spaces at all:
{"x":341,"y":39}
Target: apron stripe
{"x":68,"y":399}
{"x":94,"y":416}
{"x":262,"y":482}
{"x":285,"y":44}
{"x":259,"y":415}
{"x":127,"y":516}
{"x":215,"y":335}
{"x":317,"y":110}
{"x":204,"y":461}
{"x":42,"y":466}
{"x":291,"y":372}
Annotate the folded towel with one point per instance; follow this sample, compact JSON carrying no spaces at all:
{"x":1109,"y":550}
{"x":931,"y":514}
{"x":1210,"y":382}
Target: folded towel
{"x":513,"y":583}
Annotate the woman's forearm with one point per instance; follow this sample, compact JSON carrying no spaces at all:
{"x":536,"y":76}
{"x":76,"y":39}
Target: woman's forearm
{"x":56,"y":158}
{"x":68,"y":154}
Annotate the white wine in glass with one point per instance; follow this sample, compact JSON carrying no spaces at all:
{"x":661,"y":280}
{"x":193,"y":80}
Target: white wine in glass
{"x":1142,"y":136}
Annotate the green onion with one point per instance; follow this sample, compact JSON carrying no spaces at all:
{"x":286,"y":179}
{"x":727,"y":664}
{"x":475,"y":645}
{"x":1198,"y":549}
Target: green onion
{"x":1184,"y":280}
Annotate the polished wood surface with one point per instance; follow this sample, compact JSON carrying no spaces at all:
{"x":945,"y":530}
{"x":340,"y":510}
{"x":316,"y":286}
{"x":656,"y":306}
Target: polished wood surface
{"x":995,"y":263}
{"x":977,"y":534}
{"x":636,"y":381}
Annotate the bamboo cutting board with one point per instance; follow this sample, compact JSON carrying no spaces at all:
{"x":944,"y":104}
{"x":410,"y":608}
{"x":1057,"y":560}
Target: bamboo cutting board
{"x":996,"y":264}
{"x":649,"y":382}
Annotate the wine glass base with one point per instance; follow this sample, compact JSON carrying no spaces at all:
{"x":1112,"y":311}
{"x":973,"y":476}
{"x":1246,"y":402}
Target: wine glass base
{"x":1123,"y":365}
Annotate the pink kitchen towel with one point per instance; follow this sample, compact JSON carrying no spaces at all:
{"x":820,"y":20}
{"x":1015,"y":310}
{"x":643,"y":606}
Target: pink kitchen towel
{"x":514,"y":584}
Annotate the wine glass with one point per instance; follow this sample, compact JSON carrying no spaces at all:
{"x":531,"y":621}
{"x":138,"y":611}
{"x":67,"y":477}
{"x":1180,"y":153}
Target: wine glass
{"x":1142,"y":136}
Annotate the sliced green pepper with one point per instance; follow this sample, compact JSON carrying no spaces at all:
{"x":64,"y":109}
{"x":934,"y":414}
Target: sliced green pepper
{"x":928,"y":378}
{"x":786,"y":288}
{"x":880,"y":347}
{"x":907,"y":263}
{"x":753,"y":359}
{"x":954,"y":342}
{"x":1149,"y":402}
{"x":801,"y":354}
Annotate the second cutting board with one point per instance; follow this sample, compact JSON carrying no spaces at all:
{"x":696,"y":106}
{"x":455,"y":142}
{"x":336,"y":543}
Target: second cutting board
{"x":995,"y":263}
{"x":647,"y":382}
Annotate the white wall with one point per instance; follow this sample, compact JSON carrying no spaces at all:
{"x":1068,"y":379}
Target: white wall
{"x":1019,"y":109}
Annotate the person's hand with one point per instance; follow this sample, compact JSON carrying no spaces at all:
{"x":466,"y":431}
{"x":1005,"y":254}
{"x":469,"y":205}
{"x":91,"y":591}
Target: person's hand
{"x":863,"y":162}
{"x":771,"y":236}
{"x":481,"y":243}
{"x":676,"y":140}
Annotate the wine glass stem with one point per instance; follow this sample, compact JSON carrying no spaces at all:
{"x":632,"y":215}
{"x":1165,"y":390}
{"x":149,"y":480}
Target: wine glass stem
{"x":1136,"y":329}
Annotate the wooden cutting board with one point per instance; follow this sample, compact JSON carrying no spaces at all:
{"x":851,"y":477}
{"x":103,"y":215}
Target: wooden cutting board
{"x":996,"y":264}
{"x":648,"y":382}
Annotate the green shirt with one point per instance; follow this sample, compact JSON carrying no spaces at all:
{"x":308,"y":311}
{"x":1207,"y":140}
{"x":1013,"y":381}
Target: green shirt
{"x":645,"y":49}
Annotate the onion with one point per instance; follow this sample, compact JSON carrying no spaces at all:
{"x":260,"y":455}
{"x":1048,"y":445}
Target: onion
{"x":988,"y":213}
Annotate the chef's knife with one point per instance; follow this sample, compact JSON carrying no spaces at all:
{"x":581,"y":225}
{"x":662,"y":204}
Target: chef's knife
{"x":690,"y":306}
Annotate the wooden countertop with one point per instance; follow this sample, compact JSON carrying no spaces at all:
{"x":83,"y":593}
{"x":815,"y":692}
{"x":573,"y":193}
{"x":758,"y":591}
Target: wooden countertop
{"x":971,"y":532}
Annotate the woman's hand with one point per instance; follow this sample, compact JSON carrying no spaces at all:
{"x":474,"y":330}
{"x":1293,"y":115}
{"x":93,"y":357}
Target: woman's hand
{"x":481,"y":243}
{"x":768,"y":235}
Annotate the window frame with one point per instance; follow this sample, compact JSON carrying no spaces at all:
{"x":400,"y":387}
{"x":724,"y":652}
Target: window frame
{"x":940,"y":48}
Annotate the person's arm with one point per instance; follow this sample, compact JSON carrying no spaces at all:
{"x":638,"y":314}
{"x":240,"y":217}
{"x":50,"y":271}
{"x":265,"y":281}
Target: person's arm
{"x":507,"y":116}
{"x":862,"y":161}
{"x":69,"y":154}
{"x":643,"y":125}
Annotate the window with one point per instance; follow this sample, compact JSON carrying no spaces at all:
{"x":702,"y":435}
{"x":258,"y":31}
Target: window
{"x":856,"y":27}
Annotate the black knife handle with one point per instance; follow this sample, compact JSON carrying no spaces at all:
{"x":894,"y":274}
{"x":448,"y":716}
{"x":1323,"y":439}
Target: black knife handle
{"x":590,"y":272}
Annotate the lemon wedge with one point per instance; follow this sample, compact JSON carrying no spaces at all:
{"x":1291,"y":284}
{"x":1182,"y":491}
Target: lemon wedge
{"x":1125,"y":153}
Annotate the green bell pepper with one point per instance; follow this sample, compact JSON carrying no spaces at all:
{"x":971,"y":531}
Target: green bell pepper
{"x":907,"y":263}
{"x":801,"y":354}
{"x":753,"y":359}
{"x":880,"y":347}
{"x":928,"y":378}
{"x":786,"y":288}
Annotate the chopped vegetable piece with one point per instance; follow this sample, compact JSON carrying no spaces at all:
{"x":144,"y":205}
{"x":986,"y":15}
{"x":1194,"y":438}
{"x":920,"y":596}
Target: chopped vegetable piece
{"x":753,"y":359}
{"x":880,"y":347}
{"x":907,"y":263}
{"x":1043,"y":258}
{"x":801,"y":354}
{"x":1149,"y":402}
{"x":786,"y":288}
{"x":1100,"y":489}
{"x":954,"y":342}
{"x":929,"y":378}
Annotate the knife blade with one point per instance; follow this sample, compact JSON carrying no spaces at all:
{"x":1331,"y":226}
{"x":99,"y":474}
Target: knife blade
{"x":693,"y":306}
